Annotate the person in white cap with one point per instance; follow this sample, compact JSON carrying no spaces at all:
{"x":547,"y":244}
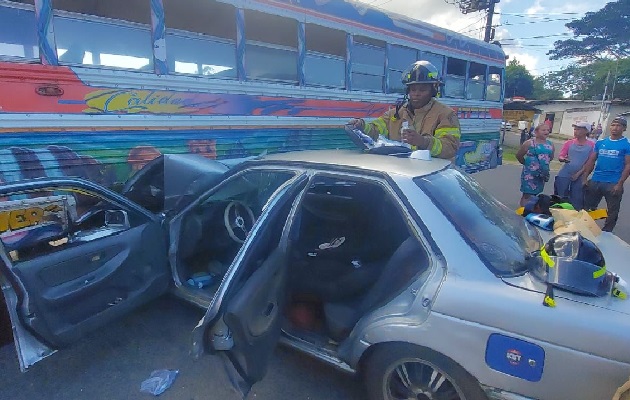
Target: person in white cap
{"x":574,"y":154}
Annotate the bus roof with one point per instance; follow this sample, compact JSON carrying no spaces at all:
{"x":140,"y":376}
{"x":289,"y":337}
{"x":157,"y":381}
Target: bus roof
{"x":389,"y":25}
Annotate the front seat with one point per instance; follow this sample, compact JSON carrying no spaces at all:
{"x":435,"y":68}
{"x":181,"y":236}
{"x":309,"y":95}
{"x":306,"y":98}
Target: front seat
{"x":407,"y":261}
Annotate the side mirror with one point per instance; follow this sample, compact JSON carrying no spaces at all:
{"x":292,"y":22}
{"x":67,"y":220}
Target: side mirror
{"x":117,"y":219}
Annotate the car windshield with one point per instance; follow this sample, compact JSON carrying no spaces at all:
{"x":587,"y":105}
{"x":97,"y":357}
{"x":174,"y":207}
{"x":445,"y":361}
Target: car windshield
{"x":503,"y":240}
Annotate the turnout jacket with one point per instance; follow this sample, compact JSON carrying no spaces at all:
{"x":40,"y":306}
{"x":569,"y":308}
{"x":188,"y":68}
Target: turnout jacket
{"x":436,"y":122}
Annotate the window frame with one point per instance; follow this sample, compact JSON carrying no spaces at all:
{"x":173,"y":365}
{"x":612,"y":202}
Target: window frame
{"x":203,"y":38}
{"x":25,"y":7}
{"x":108,"y":22}
{"x":382,"y":76}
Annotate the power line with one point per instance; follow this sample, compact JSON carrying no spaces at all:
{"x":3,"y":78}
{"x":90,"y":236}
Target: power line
{"x":536,"y":22}
{"x":537,"y":37}
{"x":537,"y":15}
{"x":526,"y":45}
{"x":553,"y":66}
{"x":523,"y":23}
{"x":469,"y":25}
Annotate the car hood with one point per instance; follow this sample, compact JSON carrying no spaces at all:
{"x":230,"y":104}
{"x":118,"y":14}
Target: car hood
{"x":616,"y":253}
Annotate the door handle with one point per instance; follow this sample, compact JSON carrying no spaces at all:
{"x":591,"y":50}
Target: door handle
{"x":269,"y":309}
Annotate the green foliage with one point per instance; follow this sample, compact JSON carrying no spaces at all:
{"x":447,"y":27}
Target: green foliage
{"x":542,"y":92}
{"x":518,"y":80}
{"x":588,"y":82}
{"x":601,"y":34}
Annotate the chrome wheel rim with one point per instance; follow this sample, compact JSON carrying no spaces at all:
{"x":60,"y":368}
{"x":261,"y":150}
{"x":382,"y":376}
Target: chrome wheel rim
{"x":415,"y":379}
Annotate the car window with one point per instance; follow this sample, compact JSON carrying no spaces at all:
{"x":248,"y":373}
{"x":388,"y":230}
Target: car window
{"x":214,"y":229}
{"x":503,"y":240}
{"x":253,"y":188}
{"x":36,"y":224}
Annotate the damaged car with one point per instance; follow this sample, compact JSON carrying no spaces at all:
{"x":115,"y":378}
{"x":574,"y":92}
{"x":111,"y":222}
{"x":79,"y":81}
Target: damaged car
{"x":404,"y":271}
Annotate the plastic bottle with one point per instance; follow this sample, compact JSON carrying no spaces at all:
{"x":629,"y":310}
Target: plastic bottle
{"x":200,"y":279}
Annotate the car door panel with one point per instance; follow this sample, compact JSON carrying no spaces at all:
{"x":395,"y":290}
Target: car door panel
{"x":78,"y":257}
{"x":78,"y":288}
{"x":243,"y":322}
{"x":254,"y":317}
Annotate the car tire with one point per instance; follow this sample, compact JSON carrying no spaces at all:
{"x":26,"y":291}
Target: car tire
{"x":404,"y":371}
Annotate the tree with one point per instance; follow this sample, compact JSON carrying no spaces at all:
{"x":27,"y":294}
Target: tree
{"x":600,"y":34}
{"x":518,"y":80}
{"x":542,"y":91}
{"x":588,"y":82}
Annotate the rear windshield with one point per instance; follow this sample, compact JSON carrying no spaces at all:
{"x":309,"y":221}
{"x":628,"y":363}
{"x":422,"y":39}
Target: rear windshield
{"x":503,"y":240}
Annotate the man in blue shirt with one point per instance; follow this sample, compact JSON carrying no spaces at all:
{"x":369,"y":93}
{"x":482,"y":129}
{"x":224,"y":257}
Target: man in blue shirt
{"x":611,"y":161}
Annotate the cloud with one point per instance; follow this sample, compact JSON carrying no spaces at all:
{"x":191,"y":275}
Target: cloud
{"x":535,"y":9}
{"x":528,"y":60}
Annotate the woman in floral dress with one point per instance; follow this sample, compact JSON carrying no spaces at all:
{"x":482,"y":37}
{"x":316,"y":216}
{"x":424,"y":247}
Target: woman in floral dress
{"x":535,"y":154}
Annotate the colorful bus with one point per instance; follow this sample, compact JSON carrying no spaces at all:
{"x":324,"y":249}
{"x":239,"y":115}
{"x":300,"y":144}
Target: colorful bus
{"x":97,"y":88}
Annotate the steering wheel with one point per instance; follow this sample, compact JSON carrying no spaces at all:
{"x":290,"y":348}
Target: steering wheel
{"x":239,"y":220}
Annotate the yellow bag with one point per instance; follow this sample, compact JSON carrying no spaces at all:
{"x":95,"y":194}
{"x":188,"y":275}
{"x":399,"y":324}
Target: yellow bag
{"x":575,"y":221}
{"x":595,"y":214}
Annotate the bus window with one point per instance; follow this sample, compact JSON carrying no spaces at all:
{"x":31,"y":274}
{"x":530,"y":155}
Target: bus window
{"x":476,"y":81}
{"x":325,"y":63}
{"x":271,"y":49}
{"x":400,"y":58}
{"x":368,"y":64}
{"x":201,"y":37}
{"x":455,"y":77}
{"x":435,"y":59}
{"x":123,"y":40}
{"x":493,"y":92}
{"x":18,"y":31}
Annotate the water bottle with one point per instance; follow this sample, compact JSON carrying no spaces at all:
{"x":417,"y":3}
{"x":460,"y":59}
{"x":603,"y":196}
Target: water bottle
{"x":199,"y":280}
{"x":405,"y":125}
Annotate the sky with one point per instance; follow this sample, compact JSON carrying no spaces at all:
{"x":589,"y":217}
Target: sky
{"x":527,"y":29}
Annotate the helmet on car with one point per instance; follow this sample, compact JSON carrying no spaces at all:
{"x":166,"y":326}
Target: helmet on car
{"x":421,"y":72}
{"x":574,"y":263}
{"x":542,"y":221}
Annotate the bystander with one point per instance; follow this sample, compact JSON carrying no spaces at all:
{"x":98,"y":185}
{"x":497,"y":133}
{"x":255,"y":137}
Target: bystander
{"x":574,"y":154}
{"x":611,"y":162}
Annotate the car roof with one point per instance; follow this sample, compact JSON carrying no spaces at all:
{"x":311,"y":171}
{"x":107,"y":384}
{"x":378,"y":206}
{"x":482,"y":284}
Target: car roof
{"x":357,"y":159}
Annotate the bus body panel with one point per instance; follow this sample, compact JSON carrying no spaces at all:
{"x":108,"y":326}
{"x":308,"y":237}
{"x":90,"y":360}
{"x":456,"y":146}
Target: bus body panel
{"x":104,"y":121}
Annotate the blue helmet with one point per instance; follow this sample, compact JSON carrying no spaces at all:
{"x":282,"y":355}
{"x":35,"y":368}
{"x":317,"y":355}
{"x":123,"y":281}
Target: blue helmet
{"x":542,"y":221}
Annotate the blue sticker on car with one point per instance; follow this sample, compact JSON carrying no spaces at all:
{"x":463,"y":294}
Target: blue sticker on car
{"x":515,"y":357}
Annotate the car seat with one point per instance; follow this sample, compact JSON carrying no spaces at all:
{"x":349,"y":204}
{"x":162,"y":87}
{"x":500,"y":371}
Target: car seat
{"x":407,"y":261}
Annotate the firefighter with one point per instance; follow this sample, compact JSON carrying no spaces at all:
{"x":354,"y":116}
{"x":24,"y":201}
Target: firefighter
{"x":419,"y":120}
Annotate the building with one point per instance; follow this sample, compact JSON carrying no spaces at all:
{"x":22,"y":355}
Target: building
{"x":562,"y":114}
{"x":520,"y":110}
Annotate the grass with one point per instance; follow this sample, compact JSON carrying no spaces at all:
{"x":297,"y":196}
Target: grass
{"x":509,"y":157}
{"x":509,"y":154}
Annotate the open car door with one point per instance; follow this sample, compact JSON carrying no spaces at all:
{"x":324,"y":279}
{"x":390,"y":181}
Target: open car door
{"x":244,"y":320}
{"x":74,"y":256}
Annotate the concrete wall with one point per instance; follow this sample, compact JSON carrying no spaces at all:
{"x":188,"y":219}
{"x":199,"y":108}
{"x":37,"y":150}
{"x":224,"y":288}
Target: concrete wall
{"x":568,"y":112}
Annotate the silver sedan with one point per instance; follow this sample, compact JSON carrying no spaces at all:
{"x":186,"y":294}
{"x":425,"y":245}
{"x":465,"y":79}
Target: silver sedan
{"x":402,"y":270}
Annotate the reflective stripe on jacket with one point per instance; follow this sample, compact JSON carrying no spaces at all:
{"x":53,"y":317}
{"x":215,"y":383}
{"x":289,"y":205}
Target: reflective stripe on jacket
{"x":436,"y":120}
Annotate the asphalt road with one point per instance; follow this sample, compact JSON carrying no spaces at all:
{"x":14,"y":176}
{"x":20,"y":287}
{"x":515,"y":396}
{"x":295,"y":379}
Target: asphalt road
{"x":112,"y":362}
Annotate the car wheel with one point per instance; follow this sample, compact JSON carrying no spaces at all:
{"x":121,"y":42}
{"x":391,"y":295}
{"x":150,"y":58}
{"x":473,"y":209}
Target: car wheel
{"x":404,"y":371}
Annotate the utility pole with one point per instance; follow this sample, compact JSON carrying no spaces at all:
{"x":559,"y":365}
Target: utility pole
{"x":469,"y":6}
{"x":602,"y":106}
{"x":489,"y":34}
